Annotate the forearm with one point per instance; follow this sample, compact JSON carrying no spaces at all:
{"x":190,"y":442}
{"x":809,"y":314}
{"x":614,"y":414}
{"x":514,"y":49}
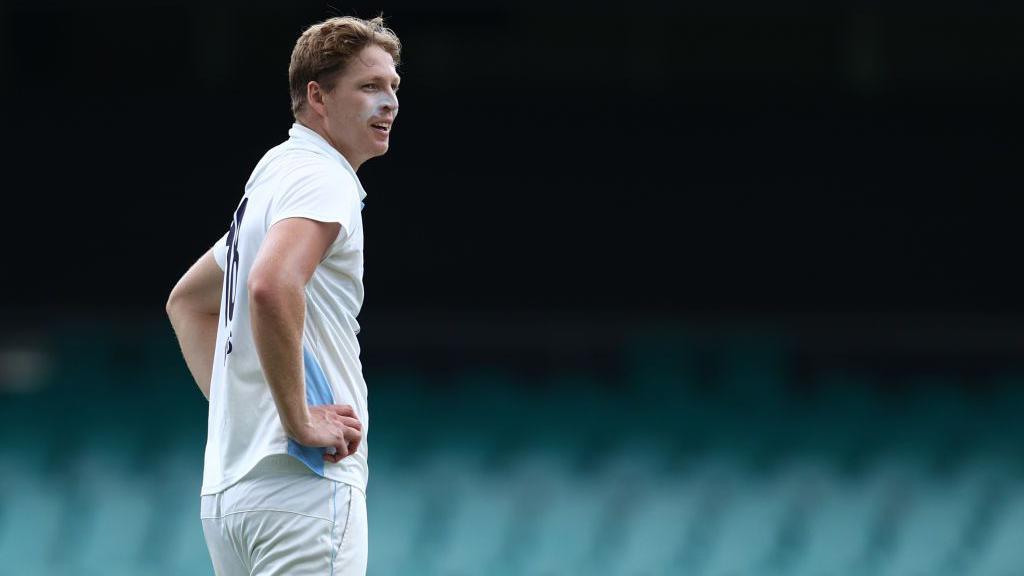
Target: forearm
{"x":197,"y":336}
{"x":193,"y":308}
{"x":277,"y":316}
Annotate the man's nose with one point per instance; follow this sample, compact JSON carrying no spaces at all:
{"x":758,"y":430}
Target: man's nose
{"x":391,"y":102}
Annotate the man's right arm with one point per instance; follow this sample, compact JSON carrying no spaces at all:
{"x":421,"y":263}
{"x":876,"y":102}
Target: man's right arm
{"x":284,"y":264}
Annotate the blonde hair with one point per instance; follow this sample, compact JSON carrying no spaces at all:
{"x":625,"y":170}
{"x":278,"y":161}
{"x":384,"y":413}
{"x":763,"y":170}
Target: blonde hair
{"x":324,"y":49}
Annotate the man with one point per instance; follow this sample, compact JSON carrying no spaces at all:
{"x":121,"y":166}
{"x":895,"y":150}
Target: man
{"x":267,"y":323}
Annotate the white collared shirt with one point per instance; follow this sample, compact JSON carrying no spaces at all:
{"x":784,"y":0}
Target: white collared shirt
{"x":304,"y":177}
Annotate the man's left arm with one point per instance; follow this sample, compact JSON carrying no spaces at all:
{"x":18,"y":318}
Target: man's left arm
{"x":194,"y":310}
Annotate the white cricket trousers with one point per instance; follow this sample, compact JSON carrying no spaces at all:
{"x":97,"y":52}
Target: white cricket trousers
{"x":282,"y":519}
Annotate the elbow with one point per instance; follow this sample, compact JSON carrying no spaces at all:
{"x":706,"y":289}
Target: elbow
{"x":267,"y":290}
{"x":260,"y":290}
{"x":173,"y":303}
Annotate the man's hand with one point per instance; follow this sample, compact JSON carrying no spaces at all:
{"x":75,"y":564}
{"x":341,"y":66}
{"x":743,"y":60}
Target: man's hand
{"x":331,"y":426}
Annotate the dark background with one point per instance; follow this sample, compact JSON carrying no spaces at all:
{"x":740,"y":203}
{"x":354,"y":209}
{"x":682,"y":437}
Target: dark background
{"x":729,"y":160}
{"x":718,"y":288}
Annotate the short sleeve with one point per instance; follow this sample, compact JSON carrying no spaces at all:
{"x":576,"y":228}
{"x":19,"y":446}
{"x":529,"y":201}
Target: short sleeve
{"x":220,"y":251}
{"x":326,"y":194}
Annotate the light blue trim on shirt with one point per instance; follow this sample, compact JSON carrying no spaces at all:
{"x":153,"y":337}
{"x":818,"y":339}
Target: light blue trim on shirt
{"x":318,"y":392}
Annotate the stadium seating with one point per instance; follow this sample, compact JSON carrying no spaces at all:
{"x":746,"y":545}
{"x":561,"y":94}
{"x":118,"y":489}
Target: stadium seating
{"x":663,"y":470}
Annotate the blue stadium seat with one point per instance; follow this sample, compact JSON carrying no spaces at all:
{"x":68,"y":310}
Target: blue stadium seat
{"x":32,"y":522}
{"x":838,"y":534}
{"x":397,"y":510}
{"x":1002,"y":554}
{"x":655,"y":533}
{"x":571,"y":511}
{"x":748,"y":532}
{"x":482,"y":520}
{"x":933,"y":532}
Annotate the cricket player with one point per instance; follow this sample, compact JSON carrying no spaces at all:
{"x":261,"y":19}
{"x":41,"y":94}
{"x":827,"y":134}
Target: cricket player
{"x":266,"y":320}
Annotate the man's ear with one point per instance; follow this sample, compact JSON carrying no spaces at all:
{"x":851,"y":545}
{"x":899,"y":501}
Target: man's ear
{"x":315,"y":98}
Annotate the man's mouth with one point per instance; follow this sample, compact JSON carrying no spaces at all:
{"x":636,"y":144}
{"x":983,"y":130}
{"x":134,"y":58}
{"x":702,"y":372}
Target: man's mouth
{"x":383,"y":127}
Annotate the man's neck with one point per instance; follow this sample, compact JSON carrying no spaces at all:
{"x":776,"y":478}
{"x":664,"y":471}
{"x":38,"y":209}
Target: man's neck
{"x":315,"y":127}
